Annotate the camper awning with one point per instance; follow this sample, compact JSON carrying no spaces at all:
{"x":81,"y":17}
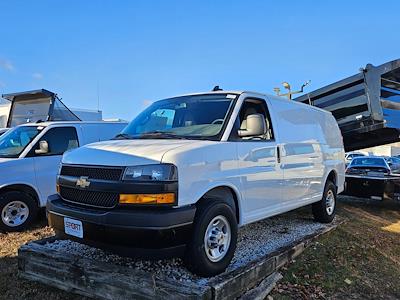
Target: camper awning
{"x":37,"y":106}
{"x":29,"y":95}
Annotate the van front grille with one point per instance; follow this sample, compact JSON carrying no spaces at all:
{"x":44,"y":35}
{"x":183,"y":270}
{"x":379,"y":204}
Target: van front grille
{"x":103,"y":173}
{"x":89,"y":198}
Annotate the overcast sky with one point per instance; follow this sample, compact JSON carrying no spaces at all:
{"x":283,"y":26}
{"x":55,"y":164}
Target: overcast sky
{"x":130,"y":53}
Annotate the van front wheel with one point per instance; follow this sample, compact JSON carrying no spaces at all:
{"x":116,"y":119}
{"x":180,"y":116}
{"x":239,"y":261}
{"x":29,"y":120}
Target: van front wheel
{"x":214,"y":238}
{"x":324,"y":211}
{"x":17,"y":211}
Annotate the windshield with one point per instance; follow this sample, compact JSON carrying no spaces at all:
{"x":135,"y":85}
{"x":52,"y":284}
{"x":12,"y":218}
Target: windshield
{"x":189,"y":117}
{"x":14,"y":141}
{"x":368,"y":161}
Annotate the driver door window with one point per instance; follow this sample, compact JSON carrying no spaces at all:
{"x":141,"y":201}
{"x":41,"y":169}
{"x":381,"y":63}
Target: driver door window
{"x":251,"y":107}
{"x":59,"y":140}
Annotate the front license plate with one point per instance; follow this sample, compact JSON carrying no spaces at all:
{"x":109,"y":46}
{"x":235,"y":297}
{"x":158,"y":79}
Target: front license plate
{"x":73,"y":227}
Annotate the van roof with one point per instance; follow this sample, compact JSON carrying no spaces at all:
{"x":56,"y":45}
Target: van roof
{"x":269,"y":96}
{"x":48,"y":123}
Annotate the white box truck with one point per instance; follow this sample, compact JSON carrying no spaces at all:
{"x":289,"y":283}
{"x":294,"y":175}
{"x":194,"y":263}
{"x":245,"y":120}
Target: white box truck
{"x":30,"y":156}
{"x":189,"y":170}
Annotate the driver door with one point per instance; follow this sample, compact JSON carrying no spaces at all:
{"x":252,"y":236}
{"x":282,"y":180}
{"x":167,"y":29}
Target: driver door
{"x":59,"y":140}
{"x":259,"y":165}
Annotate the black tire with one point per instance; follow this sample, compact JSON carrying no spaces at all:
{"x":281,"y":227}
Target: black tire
{"x":196,"y":258}
{"x":320,"y":209}
{"x":8,"y":197}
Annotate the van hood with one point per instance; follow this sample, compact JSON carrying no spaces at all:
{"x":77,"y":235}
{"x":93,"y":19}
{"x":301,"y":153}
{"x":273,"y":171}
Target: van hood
{"x":4,"y":160}
{"x":123,"y":152}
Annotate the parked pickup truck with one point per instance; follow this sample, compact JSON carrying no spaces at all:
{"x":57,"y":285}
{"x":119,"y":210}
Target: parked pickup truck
{"x":30,"y":156}
{"x":188,"y":170}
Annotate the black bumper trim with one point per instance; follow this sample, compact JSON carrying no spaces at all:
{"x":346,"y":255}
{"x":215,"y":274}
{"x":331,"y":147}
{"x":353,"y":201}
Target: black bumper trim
{"x":131,"y":231}
{"x":155,"y":217}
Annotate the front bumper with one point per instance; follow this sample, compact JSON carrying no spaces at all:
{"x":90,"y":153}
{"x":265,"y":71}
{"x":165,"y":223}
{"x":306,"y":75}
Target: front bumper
{"x":144,"y":232}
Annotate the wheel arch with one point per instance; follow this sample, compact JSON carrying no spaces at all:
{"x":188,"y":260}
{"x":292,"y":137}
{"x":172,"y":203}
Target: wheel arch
{"x":332,"y":176}
{"x":22,"y":187}
{"x":226,"y":193}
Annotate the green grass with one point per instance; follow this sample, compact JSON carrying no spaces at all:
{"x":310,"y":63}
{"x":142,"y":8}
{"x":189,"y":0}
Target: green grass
{"x":358,"y":260}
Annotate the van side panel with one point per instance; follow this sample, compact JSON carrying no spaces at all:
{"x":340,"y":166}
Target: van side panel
{"x":311,"y":146}
{"x":334,"y":152}
{"x":332,"y":148}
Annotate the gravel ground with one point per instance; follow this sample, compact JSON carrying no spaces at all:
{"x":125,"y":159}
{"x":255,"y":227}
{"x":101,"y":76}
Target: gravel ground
{"x":254,"y":241}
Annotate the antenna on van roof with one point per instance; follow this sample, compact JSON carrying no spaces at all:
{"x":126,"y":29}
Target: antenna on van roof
{"x":216,"y":88}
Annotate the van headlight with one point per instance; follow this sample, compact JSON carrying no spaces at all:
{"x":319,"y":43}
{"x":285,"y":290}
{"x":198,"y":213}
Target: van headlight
{"x":158,"y":172}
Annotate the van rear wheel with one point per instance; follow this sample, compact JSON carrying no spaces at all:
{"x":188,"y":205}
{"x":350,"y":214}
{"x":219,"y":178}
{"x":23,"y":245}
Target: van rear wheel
{"x":324,"y":211}
{"x":18,"y":210}
{"x":214,"y":238}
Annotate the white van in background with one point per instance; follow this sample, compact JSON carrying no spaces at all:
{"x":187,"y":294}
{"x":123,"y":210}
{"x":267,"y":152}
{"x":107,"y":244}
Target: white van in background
{"x":30,"y":156}
{"x":187,"y":171}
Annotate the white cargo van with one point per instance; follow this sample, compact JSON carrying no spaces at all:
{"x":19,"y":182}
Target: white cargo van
{"x":30,"y":156}
{"x":189,"y":170}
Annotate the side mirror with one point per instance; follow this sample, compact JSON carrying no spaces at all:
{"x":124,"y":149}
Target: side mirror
{"x":43,"y":148}
{"x":255,"y":125}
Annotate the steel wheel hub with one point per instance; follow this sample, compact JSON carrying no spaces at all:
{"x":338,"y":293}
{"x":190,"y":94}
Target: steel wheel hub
{"x":330,"y":202}
{"x":217,"y":238}
{"x":14,"y":213}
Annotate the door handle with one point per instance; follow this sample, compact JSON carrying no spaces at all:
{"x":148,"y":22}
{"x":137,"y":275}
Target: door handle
{"x":278,"y":154}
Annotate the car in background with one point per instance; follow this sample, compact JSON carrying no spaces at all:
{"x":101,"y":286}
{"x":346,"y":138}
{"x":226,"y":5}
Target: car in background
{"x":349,"y":156}
{"x":373,"y":177}
{"x":30,"y":156}
{"x":394,"y":164}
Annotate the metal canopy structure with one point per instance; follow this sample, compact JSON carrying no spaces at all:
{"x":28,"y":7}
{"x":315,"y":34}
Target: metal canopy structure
{"x":37,"y":106}
{"x":366,"y":105}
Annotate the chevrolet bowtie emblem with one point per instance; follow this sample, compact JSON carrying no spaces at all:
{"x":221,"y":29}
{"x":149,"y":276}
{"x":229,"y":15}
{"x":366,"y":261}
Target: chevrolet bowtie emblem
{"x":83,"y":182}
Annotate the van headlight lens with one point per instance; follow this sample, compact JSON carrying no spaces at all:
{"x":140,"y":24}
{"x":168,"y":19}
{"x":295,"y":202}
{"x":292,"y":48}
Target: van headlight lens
{"x":159,"y":172}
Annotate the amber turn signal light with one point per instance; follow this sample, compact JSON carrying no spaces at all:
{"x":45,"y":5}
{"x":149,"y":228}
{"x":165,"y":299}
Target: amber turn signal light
{"x":168,"y":198}
{"x":57,"y":188}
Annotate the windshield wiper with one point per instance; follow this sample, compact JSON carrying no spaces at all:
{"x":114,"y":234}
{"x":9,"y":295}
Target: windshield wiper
{"x":123,"y":136}
{"x":161,"y":134}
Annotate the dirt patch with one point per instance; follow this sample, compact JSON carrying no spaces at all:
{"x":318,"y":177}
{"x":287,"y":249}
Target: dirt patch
{"x":11,"y":286}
